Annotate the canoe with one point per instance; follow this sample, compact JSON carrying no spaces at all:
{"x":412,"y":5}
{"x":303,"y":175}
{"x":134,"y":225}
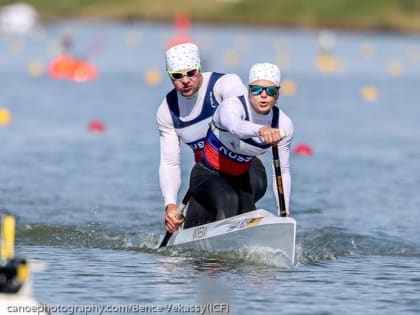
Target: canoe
{"x":255,"y":229}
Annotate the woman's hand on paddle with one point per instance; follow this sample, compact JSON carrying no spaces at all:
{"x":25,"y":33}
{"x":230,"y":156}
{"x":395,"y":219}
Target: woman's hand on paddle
{"x":171,"y":221}
{"x":270,"y":135}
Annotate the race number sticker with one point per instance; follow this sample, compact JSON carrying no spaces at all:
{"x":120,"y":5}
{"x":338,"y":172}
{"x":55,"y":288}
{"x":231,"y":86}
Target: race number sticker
{"x":200,"y":232}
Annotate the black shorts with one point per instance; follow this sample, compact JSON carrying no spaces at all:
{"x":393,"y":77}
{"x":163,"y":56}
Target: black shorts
{"x":214,"y":193}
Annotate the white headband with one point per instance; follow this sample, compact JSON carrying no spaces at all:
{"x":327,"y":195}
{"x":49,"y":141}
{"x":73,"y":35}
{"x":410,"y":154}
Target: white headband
{"x":181,"y":57}
{"x":265,"y":71}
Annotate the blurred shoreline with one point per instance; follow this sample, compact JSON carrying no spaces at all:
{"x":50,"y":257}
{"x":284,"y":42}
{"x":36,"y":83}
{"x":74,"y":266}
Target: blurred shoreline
{"x":374,"y":15}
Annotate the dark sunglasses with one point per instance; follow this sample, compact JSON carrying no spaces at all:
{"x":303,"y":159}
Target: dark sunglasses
{"x":178,"y":75}
{"x":258,"y":89}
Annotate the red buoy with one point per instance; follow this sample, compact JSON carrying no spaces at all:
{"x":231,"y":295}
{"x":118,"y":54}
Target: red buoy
{"x":96,"y":126}
{"x":303,"y":149}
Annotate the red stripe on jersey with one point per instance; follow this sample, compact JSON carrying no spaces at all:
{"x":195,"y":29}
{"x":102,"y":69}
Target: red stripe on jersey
{"x":224,"y":164}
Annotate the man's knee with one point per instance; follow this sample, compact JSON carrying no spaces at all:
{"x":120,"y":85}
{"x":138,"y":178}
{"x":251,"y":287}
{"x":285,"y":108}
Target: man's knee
{"x":197,"y":214}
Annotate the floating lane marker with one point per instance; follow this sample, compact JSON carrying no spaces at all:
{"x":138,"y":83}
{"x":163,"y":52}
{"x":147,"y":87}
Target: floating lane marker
{"x":36,"y":69}
{"x":329,"y":64}
{"x":369,"y":93}
{"x":5,"y":117}
{"x":395,"y":68}
{"x":153,"y":77}
{"x":288,"y":88}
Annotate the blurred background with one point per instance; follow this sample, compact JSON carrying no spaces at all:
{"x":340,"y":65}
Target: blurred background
{"x":387,"y":15}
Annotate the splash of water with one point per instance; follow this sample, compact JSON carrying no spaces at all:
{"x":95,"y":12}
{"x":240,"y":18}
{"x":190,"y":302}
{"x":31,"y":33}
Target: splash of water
{"x":314,"y":247}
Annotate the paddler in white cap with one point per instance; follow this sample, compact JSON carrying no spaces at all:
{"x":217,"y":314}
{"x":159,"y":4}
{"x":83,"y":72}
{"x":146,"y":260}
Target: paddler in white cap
{"x":243,"y":128}
{"x":184,"y":116}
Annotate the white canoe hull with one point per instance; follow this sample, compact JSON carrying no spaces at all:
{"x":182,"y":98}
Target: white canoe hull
{"x":258,"y":228}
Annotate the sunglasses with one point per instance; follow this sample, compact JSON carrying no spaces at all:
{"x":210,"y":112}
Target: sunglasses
{"x":258,"y":89}
{"x":178,"y":75}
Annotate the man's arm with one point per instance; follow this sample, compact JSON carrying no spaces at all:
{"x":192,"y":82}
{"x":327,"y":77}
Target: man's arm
{"x":170,"y":157}
{"x":229,"y":85}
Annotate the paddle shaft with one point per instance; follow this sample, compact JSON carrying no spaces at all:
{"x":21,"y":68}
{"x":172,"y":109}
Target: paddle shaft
{"x":178,"y":215}
{"x":280,"y":192}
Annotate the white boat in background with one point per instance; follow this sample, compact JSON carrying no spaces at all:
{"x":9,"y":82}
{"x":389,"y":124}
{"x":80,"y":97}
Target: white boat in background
{"x":15,"y":281}
{"x":254,"y":229}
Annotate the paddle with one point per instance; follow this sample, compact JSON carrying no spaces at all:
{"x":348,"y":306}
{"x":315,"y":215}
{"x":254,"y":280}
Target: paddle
{"x":280,"y":193}
{"x":179,"y":213}
{"x":8,"y":224}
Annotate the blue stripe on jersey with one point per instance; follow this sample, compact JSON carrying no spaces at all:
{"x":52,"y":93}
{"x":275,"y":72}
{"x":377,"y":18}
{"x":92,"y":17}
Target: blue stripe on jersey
{"x":209,"y":106}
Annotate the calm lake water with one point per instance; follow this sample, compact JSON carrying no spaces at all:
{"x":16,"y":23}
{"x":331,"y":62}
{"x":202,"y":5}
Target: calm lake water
{"x":88,"y":205}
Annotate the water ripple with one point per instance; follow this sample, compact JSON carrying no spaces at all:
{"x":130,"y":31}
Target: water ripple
{"x":330,"y":243}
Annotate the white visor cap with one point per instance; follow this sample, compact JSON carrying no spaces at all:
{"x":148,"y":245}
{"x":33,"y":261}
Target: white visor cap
{"x":181,"y":57}
{"x":265,"y":71}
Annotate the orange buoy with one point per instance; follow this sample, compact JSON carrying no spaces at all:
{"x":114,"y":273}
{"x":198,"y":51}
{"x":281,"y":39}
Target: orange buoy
{"x":61,"y":67}
{"x":96,"y":126}
{"x":303,"y":149}
{"x":68,"y":68}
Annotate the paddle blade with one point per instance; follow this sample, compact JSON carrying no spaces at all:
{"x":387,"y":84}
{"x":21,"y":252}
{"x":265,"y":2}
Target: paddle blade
{"x":165,"y":240}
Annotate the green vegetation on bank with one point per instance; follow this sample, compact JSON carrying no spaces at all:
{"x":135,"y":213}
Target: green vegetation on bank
{"x":395,"y":15}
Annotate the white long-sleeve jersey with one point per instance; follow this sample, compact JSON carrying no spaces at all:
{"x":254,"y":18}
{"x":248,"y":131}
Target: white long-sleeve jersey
{"x":236,"y":126}
{"x":186,"y":119}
